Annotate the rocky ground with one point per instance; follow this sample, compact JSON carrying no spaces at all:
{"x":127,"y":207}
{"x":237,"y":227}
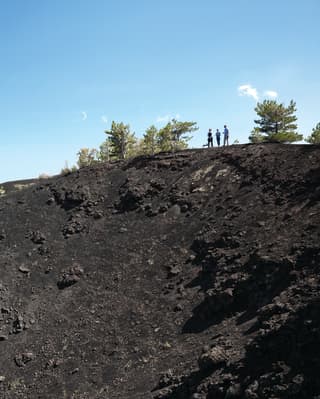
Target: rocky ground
{"x":187,"y":275}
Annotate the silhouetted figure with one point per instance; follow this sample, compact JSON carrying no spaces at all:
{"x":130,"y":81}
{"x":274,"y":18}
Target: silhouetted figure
{"x":210,"y":139}
{"x":218,"y":137}
{"x":226,"y":136}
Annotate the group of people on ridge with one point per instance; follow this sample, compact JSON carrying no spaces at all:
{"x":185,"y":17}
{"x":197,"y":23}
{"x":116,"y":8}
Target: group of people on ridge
{"x":218,"y":137}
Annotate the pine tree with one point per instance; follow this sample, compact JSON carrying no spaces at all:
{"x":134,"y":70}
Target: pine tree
{"x":175,"y":135}
{"x":256,"y":136}
{"x":165,"y":138}
{"x":150,"y":141}
{"x":136,"y":149}
{"x":314,"y":138}
{"x":277,"y":123}
{"x":120,"y":140}
{"x":103,"y":153}
{"x":87,"y":157}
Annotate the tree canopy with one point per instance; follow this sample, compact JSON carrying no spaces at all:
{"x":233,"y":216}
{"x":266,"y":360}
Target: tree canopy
{"x":277,"y":123}
{"x":120,"y":141}
{"x":87,"y":157}
{"x":175,"y":135}
{"x":314,"y":138}
{"x":256,"y":136}
{"x":150,"y":141}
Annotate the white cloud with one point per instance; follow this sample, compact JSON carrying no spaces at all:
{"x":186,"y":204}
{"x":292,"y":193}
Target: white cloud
{"x":164,"y":118}
{"x":271,"y":93}
{"x":167,"y":118}
{"x":249,"y":91}
{"x":104,"y":119}
{"x":84,"y":115}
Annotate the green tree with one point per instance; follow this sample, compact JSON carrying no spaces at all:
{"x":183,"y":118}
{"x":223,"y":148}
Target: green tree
{"x":277,"y":122}
{"x":175,"y":135}
{"x":103,"y":153}
{"x":256,"y":136}
{"x":314,"y":138}
{"x":87,"y":157}
{"x":165,"y":138}
{"x":136,"y":149}
{"x":150,"y":141}
{"x":121,"y":140}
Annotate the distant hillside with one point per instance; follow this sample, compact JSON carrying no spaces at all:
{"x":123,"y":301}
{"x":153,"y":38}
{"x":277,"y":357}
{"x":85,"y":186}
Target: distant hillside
{"x":186,"y":275}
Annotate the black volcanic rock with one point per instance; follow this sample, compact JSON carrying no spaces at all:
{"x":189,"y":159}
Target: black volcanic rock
{"x":175,"y":276}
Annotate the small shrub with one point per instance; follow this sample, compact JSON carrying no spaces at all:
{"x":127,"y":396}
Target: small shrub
{"x":43,"y":176}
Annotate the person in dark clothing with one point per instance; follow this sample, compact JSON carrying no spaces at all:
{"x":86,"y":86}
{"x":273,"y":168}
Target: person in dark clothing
{"x":218,"y":136}
{"x":210,"y":139}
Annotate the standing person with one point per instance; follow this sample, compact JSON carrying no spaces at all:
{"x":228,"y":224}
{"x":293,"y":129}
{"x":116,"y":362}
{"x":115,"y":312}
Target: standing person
{"x":210,"y":139}
{"x":218,"y":136}
{"x":226,"y":136}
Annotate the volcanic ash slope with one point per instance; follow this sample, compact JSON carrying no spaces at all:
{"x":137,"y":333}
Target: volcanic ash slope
{"x":186,"y":275}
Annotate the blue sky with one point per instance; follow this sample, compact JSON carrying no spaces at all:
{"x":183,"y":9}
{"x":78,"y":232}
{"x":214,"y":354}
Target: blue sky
{"x":70,"y":67}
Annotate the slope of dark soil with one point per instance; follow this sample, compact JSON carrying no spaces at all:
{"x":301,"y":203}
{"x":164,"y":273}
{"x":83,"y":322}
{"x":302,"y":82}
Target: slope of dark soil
{"x":187,"y":275}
